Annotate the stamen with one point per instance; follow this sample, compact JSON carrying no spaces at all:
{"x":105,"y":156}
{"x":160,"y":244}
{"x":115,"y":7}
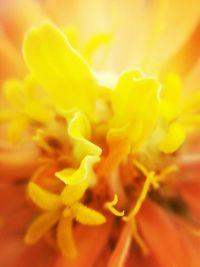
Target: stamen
{"x":137,"y":238}
{"x":141,"y":197}
{"x":141,"y":167}
{"x":110,"y":206}
{"x":162,"y":176}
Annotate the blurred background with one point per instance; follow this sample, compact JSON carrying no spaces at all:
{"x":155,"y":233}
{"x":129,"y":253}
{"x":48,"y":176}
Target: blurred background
{"x":156,"y":35}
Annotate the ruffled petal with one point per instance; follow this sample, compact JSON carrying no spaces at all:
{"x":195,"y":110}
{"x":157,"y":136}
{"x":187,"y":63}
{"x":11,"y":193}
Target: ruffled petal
{"x":133,"y":98}
{"x":119,"y":256}
{"x":59,"y":68}
{"x":80,"y":132}
{"x":157,"y":229}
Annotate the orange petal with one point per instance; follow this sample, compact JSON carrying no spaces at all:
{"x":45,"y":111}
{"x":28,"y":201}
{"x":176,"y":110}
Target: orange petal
{"x":161,"y":236}
{"x":190,"y":242}
{"x":186,"y":58}
{"x":190,"y":191}
{"x":119,"y":256}
{"x":17,"y":162}
{"x":11,"y":64}
{"x":88,"y":248}
{"x":17,"y":16}
{"x":175,"y":31}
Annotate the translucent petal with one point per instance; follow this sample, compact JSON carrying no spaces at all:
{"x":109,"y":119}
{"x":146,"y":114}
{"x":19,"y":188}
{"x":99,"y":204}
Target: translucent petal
{"x":42,"y":198}
{"x":87,"y":215}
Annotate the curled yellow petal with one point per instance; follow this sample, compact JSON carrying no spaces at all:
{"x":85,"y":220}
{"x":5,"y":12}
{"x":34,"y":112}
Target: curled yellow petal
{"x":59,"y":68}
{"x":174,"y":138}
{"x":94,"y":43}
{"x":170,"y":97}
{"x":65,"y":238}
{"x":16,"y":128}
{"x":41,"y":225}
{"x":112,"y":209}
{"x":84,"y":172}
{"x":72,"y":35}
{"x":73,"y":193}
{"x":133,"y":99}
{"x":12,"y":90}
{"x":79,"y":131}
{"x":84,"y":150}
{"x":42,"y":198}
{"x":86,"y":215}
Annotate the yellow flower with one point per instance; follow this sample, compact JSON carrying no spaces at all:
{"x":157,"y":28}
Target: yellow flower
{"x":102,"y":136}
{"x":61,"y":209}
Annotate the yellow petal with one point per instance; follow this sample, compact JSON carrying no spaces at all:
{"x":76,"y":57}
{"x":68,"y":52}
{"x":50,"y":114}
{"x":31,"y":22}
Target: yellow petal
{"x":35,"y":111}
{"x":12,"y":90}
{"x":6,"y":115}
{"x":72,"y":35}
{"x":84,"y":172}
{"x":94,"y":43}
{"x":170,"y":97}
{"x":174,"y":138}
{"x":59,"y":68}
{"x":42,"y":198}
{"x":79,"y":131}
{"x":86,"y":215}
{"x":65,"y":238}
{"x":134,"y":99}
{"x":73,"y":193}
{"x":16,"y":128}
{"x":41,"y":225}
{"x":192,"y":103}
